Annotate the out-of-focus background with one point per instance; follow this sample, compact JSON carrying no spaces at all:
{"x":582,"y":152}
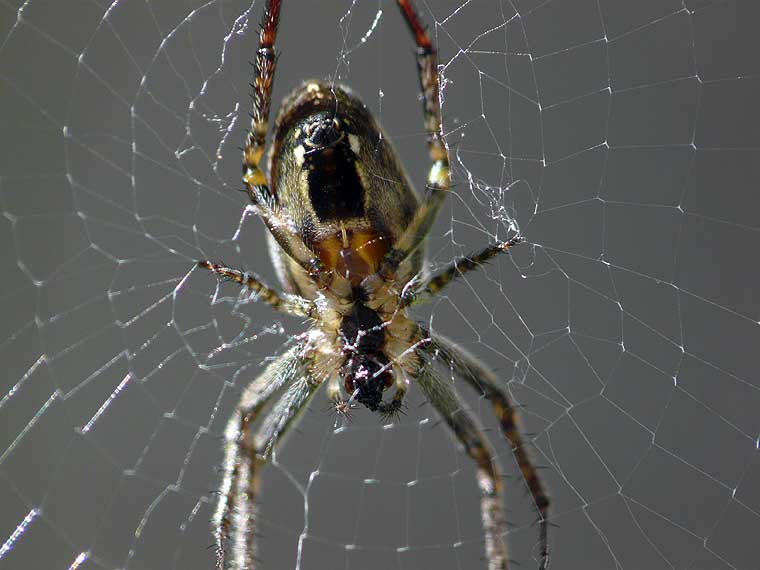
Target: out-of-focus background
{"x":622,"y":139}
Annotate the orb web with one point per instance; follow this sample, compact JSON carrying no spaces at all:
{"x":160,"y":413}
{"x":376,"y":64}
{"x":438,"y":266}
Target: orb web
{"x":621,"y":139}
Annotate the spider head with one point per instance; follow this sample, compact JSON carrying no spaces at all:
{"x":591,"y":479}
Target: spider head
{"x":365,"y":378}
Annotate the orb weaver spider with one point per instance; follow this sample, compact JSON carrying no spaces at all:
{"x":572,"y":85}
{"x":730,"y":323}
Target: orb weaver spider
{"x":346,"y":236}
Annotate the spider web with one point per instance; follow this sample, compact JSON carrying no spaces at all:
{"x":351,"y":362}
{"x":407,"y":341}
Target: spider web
{"x":621,"y":138}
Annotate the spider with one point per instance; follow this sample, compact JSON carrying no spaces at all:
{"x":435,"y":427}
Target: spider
{"x":346,"y":236}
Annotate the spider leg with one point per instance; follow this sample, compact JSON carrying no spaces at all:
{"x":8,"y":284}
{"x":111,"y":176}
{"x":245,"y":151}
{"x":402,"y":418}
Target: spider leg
{"x":438,"y":176}
{"x":484,"y":381}
{"x":234,"y":517}
{"x":396,"y":406}
{"x":283,"y":416}
{"x":446,"y":402}
{"x":266,"y":62}
{"x":456,"y":268}
{"x":290,"y":304}
{"x":281,"y":227}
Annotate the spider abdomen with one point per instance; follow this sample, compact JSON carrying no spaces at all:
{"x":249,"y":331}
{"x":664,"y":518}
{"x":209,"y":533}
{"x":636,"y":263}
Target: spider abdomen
{"x":352,"y":254}
{"x":340,"y":186}
{"x":335,"y":189}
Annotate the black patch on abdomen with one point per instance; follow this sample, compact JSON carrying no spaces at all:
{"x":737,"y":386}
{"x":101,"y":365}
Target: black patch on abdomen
{"x":335,"y":189}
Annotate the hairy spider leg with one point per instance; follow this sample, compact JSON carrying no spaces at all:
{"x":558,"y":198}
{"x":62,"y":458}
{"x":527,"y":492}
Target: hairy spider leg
{"x":277,"y":221}
{"x":274,"y":426}
{"x":235,"y":515}
{"x":457,"y":268}
{"x":461,"y":421}
{"x":438,"y":177}
{"x":290,"y":304}
{"x":284,"y":413}
{"x":484,"y":381}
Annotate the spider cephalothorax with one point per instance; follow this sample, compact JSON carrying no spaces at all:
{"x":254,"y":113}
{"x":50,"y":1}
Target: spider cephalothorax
{"x":346,"y":236}
{"x":366,"y":369}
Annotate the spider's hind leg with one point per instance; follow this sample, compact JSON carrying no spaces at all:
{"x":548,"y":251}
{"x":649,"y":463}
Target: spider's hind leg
{"x":438,"y":177}
{"x":255,"y":145}
{"x":261,"y":94}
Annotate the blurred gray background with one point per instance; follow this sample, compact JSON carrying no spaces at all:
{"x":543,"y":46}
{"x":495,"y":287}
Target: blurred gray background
{"x":622,"y":137}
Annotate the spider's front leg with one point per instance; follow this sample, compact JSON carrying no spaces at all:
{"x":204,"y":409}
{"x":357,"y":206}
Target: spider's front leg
{"x":234,"y":518}
{"x":461,"y":421}
{"x":484,"y":381}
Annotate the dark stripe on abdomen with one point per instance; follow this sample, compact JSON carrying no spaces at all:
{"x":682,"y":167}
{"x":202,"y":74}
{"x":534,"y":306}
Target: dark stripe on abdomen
{"x":335,"y":189}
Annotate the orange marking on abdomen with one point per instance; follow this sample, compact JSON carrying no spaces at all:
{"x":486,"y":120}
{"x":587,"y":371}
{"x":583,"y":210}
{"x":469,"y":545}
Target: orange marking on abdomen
{"x":366,"y":249}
